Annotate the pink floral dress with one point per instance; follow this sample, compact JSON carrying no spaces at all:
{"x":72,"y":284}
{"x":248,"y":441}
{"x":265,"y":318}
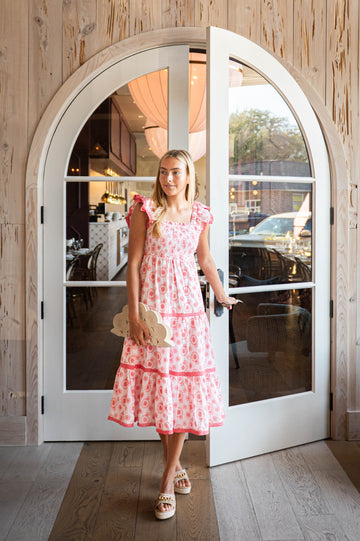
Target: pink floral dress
{"x":175,"y":389}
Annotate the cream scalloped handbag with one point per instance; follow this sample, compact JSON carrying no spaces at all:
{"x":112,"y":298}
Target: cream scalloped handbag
{"x":160,"y":333}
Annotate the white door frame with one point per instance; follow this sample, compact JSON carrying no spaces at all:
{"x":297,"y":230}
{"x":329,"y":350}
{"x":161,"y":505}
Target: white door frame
{"x":278,"y":423}
{"x":194,"y":36}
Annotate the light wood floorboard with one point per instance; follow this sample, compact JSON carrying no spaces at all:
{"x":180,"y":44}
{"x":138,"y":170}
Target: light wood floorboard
{"x":33,"y":481}
{"x":234,"y":507}
{"x":275,"y":516}
{"x":296,"y":494}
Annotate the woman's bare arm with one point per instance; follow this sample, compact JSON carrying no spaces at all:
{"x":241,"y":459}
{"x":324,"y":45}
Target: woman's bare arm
{"x":139,"y":332}
{"x":208,"y":267}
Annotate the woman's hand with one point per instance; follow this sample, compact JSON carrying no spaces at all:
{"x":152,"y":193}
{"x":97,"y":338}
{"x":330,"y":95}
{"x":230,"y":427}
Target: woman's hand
{"x":139,"y":332}
{"x":228,"y":302}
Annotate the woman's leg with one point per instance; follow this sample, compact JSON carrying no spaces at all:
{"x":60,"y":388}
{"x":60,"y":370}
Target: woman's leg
{"x":165,"y":441}
{"x":173,"y":444}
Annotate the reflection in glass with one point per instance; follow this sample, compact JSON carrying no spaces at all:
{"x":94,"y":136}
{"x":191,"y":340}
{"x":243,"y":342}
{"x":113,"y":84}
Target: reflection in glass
{"x":96,"y":231}
{"x":264,"y":137}
{"x":113,"y":142}
{"x":270,"y":233}
{"x":270,"y":346}
{"x":92,"y":352}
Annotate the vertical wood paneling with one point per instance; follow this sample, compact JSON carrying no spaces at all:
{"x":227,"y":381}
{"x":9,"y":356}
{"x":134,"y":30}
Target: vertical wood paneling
{"x":144,"y":16}
{"x":310,"y":42}
{"x":13,"y":110}
{"x":210,"y":13}
{"x":112,"y":22}
{"x":178,"y":13}
{"x":12,"y":320}
{"x":33,"y":254}
{"x":342,"y":70}
{"x":79,"y":24}
{"x":45,"y":77}
{"x":277,"y":27}
{"x":342,"y":100}
{"x":45,"y":67}
{"x":353,"y":289}
{"x":244,"y":18}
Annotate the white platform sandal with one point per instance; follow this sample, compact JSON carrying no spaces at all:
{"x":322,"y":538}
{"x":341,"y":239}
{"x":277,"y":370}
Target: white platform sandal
{"x":167,"y":499}
{"x":179,"y":476}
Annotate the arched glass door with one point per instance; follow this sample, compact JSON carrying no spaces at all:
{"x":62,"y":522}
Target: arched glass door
{"x":265,"y":177}
{"x":271,"y":241}
{"x":99,"y":157}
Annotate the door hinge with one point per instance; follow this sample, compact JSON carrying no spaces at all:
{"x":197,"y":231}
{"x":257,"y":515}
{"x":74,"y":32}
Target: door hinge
{"x":42,"y":214}
{"x":331,"y":401}
{"x":42,"y":405}
{"x":331,"y":215}
{"x":42,"y":309}
{"x":331,"y":309}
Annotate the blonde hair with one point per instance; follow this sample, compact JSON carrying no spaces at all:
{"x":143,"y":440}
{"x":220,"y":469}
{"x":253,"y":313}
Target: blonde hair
{"x":159,"y":198}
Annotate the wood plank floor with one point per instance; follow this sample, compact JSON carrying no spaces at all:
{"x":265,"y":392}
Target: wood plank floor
{"x":106,"y":491}
{"x":112,"y":492}
{"x":297,"y":494}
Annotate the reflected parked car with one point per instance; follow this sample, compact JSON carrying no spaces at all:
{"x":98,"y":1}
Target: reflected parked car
{"x":269,"y":252}
{"x":276,"y":229}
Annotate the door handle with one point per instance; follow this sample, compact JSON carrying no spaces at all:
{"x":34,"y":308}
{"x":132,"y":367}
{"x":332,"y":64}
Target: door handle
{"x":218,"y":307}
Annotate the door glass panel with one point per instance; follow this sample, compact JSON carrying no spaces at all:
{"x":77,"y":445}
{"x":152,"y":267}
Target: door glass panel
{"x":120,"y":138}
{"x":270,"y":234}
{"x":264,"y":136}
{"x":92,"y":351}
{"x":270,"y":345}
{"x":96,"y":231}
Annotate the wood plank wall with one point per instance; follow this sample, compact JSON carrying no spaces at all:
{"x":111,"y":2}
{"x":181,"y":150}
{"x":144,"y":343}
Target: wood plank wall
{"x":42,"y":42}
{"x":13,"y":154}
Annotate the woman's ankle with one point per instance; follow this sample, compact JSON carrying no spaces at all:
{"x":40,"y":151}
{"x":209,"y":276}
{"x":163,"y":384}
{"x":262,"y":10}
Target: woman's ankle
{"x":167,"y":482}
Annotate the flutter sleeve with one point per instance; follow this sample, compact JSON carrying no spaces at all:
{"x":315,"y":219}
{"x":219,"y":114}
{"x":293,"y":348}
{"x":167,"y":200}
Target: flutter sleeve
{"x":203,"y":215}
{"x":145,"y":207}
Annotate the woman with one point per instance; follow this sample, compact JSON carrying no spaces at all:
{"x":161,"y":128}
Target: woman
{"x":175,"y":389}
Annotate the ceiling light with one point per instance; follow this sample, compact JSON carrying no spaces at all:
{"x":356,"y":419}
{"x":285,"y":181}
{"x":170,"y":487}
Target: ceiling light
{"x":150,"y":92}
{"x":157,"y":139}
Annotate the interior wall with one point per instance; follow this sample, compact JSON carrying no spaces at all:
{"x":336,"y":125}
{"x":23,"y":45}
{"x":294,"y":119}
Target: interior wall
{"x":43,"y":42}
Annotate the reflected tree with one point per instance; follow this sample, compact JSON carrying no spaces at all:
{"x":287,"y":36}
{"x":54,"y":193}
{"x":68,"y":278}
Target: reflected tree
{"x":257,"y":136}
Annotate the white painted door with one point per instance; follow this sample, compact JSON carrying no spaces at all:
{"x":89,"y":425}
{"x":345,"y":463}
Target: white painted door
{"x":76,"y":406}
{"x":273,"y":352}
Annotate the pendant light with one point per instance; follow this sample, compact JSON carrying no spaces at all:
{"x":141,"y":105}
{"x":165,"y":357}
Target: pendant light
{"x":157,"y":139}
{"x":150,"y":92}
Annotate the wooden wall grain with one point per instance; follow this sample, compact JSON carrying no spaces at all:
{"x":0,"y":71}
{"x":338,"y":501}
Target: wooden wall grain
{"x":43,"y":42}
{"x":13,"y":155}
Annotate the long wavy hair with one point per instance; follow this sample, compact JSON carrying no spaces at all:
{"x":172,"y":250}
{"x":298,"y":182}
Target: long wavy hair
{"x":159,"y":197}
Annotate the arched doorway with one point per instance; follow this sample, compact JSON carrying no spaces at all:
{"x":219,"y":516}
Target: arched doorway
{"x":258,"y":64}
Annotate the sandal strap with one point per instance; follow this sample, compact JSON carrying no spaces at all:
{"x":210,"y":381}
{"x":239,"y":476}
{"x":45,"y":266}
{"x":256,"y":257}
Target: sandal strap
{"x":179,"y":475}
{"x":166,"y":498}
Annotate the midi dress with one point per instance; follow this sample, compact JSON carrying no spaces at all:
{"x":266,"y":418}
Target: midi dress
{"x":175,"y":389}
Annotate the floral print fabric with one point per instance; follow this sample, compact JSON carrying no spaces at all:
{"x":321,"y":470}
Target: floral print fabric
{"x":175,"y":389}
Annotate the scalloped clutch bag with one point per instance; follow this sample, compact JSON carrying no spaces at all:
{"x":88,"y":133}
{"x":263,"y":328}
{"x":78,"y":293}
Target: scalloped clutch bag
{"x":160,"y":333}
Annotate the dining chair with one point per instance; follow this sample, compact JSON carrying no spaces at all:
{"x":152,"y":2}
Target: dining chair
{"x":92,"y":261}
